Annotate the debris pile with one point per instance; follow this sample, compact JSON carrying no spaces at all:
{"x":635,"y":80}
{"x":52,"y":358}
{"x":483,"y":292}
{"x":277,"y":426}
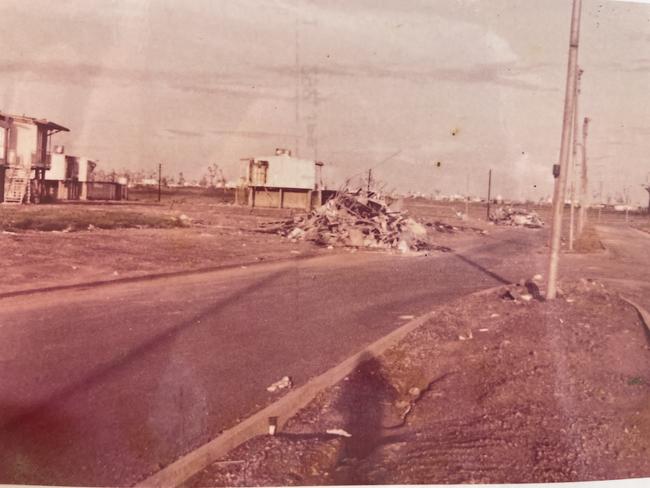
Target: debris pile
{"x":356,"y":221}
{"x":524,"y":291}
{"x":516,"y":216}
{"x":451,"y":229}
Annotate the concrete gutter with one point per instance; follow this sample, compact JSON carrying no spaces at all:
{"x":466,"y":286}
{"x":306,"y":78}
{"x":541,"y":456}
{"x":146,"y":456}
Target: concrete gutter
{"x":285,"y":408}
{"x":644,"y":315}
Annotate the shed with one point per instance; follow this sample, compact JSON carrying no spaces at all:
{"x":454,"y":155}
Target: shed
{"x":283,"y":181}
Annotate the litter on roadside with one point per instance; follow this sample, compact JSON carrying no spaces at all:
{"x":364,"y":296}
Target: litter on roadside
{"x":284,"y":382}
{"x":273,"y":425}
{"x":339,"y":432}
{"x":524,"y":291}
{"x":468,"y":337}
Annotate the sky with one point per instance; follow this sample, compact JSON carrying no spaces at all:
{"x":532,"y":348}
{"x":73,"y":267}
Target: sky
{"x":396,"y":85}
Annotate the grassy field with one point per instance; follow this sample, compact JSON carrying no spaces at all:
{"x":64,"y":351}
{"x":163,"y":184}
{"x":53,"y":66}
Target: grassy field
{"x":75,"y":218}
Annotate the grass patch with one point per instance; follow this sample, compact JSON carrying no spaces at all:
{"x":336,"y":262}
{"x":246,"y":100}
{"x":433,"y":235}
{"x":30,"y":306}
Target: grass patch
{"x":588,"y":242}
{"x":48,"y":219}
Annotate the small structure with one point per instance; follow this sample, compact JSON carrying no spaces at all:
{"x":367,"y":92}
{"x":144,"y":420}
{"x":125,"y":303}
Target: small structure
{"x":24,"y":152}
{"x":30,"y":171}
{"x":283,"y":181}
{"x":67,"y":177}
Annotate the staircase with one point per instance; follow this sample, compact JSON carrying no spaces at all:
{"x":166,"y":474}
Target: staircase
{"x":16,"y":184}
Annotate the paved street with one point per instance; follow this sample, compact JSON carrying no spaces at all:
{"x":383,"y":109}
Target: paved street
{"x":624,"y":264}
{"x":103,"y":386}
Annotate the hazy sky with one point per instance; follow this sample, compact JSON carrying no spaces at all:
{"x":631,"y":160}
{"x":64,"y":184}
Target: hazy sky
{"x":210,"y":81}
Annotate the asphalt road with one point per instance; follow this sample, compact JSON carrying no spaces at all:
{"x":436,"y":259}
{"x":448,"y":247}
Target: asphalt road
{"x":104,"y":386}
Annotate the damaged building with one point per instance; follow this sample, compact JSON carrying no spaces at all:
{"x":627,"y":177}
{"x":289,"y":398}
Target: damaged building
{"x":32,"y":169}
{"x":282,"y":181}
{"x":24,"y":156}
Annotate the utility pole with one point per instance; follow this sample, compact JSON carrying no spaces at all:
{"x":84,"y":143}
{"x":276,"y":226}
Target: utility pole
{"x":584,"y":179}
{"x":298,"y":80}
{"x":159,"y":181}
{"x":574,"y":161}
{"x":489,"y":193}
{"x":369,"y":182}
{"x":600,"y":202}
{"x":467,"y":196}
{"x":561,"y":178}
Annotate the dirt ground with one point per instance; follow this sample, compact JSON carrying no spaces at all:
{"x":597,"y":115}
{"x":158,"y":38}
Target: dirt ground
{"x":213,"y":234}
{"x":490,"y":390}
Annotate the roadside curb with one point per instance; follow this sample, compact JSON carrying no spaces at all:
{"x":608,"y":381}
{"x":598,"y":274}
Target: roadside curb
{"x":285,"y":408}
{"x":643,"y":313}
{"x":152,"y":276}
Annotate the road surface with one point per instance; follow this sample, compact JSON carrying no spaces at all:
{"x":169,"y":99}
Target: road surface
{"x":625,"y":265}
{"x":105,"y":385}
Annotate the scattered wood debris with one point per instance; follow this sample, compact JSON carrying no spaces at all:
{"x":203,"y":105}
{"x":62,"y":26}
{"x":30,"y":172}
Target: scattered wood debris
{"x":516,"y":216}
{"x":356,"y":221}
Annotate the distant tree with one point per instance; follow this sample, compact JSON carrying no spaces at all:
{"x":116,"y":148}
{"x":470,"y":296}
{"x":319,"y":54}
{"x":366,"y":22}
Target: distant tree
{"x":99,"y":175}
{"x":213,"y":170}
{"x":181,"y":179}
{"x":203,"y":181}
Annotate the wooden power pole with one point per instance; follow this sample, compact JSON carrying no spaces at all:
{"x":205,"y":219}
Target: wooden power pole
{"x":574,"y":161}
{"x":584,"y":180}
{"x":489,"y":196}
{"x":561,"y":178}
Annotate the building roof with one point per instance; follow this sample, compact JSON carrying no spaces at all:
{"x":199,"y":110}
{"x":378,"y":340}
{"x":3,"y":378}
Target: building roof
{"x":49,"y":125}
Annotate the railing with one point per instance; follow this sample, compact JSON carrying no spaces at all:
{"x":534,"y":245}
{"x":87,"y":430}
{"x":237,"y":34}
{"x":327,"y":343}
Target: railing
{"x":37,"y":162}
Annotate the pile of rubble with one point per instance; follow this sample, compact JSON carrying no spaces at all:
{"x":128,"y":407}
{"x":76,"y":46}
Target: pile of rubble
{"x":516,"y":216}
{"x":356,"y":221}
{"x":524,"y":290}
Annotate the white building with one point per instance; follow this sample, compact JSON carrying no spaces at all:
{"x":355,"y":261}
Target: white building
{"x":283,"y":181}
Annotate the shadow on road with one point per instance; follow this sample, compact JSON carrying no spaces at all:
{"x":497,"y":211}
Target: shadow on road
{"x":362,"y":402}
{"x":33,"y":423}
{"x":481,"y":268}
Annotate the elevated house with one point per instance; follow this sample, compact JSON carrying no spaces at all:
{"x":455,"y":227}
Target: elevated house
{"x":72,"y":178}
{"x":68,"y":177}
{"x":25,"y":144}
{"x":33,"y":170}
{"x":282,"y":181}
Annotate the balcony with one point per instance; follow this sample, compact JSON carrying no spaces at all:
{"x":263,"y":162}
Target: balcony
{"x":39,"y":162}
